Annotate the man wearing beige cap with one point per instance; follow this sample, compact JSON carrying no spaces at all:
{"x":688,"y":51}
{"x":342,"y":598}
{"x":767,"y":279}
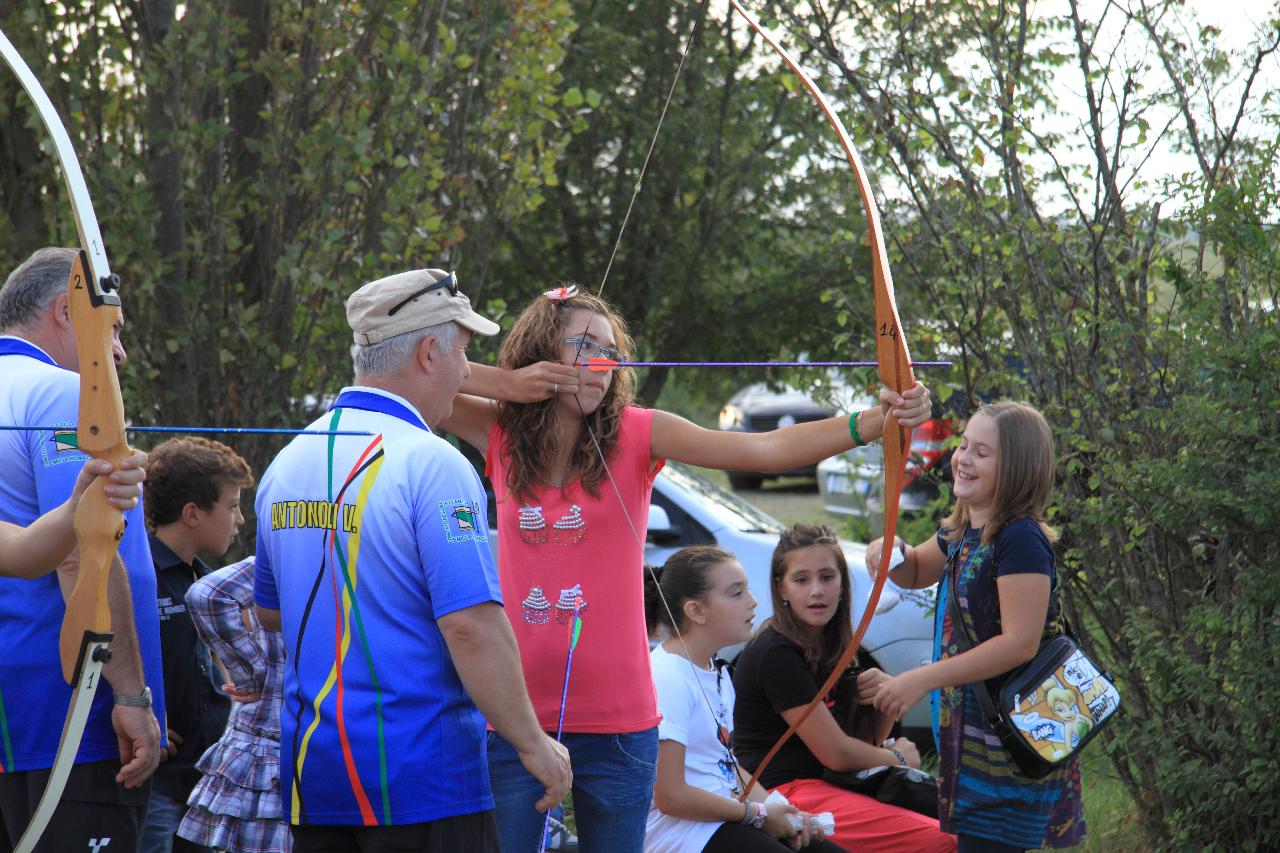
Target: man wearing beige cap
{"x":373,"y":559}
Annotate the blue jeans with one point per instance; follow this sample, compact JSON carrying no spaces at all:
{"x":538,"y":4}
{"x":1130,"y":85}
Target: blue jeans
{"x":613,"y":779}
{"x":160,"y":827}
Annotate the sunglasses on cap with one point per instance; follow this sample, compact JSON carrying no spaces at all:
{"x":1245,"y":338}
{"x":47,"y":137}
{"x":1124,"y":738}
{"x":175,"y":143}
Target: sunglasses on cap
{"x":447,"y":283}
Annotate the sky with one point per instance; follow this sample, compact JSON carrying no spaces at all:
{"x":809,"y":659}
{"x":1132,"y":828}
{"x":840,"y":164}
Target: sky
{"x":1236,"y":18}
{"x":1237,"y":21}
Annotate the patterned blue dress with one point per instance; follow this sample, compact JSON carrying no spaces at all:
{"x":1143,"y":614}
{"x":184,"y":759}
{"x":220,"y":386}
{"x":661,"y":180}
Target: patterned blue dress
{"x":981,"y":792}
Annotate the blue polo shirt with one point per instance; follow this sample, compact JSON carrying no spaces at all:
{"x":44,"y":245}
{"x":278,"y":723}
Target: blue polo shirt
{"x":363,"y":543}
{"x":40,"y":469}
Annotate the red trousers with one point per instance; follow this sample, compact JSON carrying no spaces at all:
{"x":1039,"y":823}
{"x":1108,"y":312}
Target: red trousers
{"x":866,"y":824}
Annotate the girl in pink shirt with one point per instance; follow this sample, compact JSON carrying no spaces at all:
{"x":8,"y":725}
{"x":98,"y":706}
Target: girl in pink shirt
{"x":572,"y":461}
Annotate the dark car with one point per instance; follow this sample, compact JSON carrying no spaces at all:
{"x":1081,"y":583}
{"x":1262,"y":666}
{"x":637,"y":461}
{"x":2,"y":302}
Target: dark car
{"x":758,"y":408}
{"x":852,"y":483}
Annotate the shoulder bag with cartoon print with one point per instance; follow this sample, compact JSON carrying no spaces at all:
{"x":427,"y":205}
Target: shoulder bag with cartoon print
{"x":1046,"y":710}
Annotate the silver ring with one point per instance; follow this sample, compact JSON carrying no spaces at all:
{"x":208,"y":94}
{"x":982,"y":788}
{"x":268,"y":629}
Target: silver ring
{"x":555,"y":387}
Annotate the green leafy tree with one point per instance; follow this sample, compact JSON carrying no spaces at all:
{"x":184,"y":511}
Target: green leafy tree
{"x":1136,"y":309}
{"x":728,"y":246}
{"x":254,"y":162}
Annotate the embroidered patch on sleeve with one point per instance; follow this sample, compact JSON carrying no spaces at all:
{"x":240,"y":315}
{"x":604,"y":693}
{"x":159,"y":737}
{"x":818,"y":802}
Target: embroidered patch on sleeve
{"x":60,"y":446}
{"x":461,"y":519}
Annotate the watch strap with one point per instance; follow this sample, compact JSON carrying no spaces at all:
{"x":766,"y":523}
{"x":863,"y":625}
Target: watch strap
{"x":142,"y":700}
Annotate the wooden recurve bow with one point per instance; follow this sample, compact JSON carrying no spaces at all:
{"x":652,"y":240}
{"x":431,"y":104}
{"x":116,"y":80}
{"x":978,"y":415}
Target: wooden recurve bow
{"x":895,"y":373}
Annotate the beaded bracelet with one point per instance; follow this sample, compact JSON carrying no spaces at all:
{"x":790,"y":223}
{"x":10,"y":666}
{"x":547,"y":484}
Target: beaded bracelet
{"x":748,"y":813}
{"x":854,"y":433}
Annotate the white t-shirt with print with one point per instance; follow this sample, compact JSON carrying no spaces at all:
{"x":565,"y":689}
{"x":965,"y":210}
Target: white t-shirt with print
{"x":693,"y":703}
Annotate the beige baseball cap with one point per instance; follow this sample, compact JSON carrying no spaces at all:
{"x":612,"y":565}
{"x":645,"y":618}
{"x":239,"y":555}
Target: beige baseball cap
{"x":408,"y":301}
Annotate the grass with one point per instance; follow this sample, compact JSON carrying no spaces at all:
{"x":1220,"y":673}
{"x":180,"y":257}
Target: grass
{"x":1110,"y":812}
{"x":569,"y":819}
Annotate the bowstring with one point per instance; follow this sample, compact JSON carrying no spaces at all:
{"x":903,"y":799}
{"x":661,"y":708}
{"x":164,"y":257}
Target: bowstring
{"x":653,"y":144}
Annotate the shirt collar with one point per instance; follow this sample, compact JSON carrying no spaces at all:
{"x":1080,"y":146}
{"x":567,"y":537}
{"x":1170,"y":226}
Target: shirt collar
{"x":164,"y":558}
{"x":13,"y":345}
{"x":378,"y":400}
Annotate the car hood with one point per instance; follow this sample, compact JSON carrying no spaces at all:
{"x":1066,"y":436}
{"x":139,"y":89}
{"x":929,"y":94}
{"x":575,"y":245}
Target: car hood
{"x":837,"y":396}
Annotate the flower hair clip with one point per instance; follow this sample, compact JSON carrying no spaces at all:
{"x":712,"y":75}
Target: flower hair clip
{"x":560,"y":294}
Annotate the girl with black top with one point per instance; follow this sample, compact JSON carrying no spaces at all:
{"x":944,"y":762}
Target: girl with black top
{"x":779,"y":673}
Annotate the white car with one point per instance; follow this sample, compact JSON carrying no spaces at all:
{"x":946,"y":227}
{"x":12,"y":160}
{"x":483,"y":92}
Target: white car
{"x":851,"y":483}
{"x":688,"y":509}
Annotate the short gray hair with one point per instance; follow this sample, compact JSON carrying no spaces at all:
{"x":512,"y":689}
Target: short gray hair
{"x":31,"y":287}
{"x":390,"y":355}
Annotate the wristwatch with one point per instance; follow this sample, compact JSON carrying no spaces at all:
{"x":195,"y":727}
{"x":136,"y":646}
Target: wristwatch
{"x":142,"y":700}
{"x":762,"y":814}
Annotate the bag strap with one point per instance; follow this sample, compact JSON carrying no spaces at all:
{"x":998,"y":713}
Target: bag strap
{"x":963,"y":640}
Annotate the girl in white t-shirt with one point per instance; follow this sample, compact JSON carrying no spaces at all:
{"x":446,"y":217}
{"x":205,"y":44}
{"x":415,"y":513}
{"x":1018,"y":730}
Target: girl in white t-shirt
{"x":695,"y":798}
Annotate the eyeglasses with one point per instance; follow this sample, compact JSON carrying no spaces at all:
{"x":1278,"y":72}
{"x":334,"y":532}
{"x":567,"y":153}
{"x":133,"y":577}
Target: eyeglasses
{"x":448,"y":283}
{"x":585,"y":348}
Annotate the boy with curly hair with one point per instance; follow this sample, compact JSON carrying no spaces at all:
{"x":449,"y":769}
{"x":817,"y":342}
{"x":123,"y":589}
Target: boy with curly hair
{"x":192,"y":503}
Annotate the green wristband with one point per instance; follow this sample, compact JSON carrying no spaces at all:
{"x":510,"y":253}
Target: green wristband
{"x":853,"y":429}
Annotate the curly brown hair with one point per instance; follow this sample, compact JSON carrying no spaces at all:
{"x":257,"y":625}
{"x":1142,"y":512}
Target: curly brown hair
{"x":189,"y":470}
{"x":535,"y":337}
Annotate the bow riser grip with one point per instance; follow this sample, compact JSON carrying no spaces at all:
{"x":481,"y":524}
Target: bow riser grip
{"x":101,"y":421}
{"x":895,"y":372}
{"x":99,"y":526}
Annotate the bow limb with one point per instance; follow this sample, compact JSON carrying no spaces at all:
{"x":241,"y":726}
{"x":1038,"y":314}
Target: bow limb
{"x":95,"y":313}
{"x":895,"y":373}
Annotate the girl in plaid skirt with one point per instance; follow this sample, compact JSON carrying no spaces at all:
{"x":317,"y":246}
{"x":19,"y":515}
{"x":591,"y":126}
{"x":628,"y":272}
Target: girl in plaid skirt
{"x":236,"y":806}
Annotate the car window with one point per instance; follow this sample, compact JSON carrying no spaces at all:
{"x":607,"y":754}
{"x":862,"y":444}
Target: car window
{"x":728,"y":508}
{"x":685,"y":529}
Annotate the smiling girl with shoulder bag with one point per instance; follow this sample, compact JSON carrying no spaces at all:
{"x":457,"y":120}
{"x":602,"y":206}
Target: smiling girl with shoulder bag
{"x":1005,"y":589}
